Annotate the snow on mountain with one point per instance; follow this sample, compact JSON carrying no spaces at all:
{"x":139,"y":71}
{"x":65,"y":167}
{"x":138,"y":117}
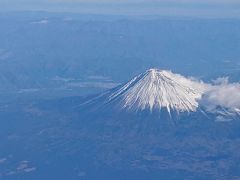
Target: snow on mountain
{"x":162,"y":91}
{"x":156,"y":89}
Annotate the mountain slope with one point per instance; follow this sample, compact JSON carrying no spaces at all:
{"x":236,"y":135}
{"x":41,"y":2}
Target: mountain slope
{"x":157,"y":89}
{"x":154,"y":90}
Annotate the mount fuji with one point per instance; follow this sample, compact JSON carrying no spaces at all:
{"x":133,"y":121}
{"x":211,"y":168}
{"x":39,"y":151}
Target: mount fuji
{"x":157,"y":89}
{"x":158,"y":92}
{"x":152,"y":91}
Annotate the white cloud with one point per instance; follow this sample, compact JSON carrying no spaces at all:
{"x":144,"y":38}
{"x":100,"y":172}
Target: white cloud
{"x":221,"y":81}
{"x":57,"y":78}
{"x":43,"y":21}
{"x":104,"y":85}
{"x":24,"y":167}
{"x":95,"y":77}
{"x":222,"y":94}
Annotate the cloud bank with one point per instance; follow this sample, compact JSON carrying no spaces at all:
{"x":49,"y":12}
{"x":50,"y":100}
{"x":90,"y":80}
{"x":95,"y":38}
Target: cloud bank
{"x":222,"y":94}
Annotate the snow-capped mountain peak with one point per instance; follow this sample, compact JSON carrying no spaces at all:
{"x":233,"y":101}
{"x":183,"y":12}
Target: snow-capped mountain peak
{"x":157,"y":89}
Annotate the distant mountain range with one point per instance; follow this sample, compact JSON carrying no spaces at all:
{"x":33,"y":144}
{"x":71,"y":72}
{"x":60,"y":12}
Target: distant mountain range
{"x":37,"y":47}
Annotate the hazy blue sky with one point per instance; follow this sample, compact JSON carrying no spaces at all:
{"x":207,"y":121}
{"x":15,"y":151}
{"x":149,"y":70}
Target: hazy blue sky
{"x":207,"y":8}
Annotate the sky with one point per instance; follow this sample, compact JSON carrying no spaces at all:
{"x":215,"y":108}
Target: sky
{"x":202,"y":8}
